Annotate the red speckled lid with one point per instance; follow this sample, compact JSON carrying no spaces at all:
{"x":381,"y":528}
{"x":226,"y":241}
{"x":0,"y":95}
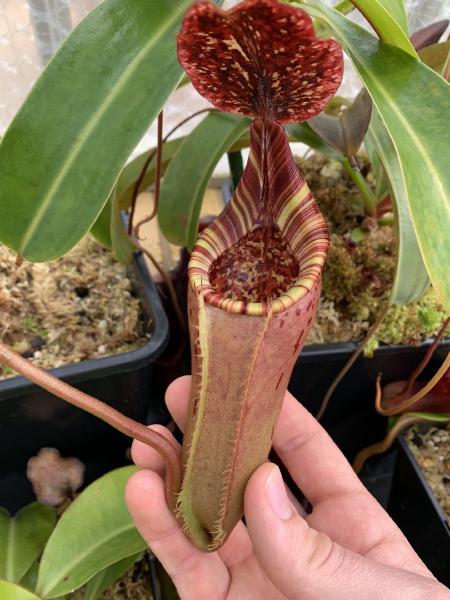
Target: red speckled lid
{"x":261,"y":58}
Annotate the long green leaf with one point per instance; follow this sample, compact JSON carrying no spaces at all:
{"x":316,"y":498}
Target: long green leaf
{"x":188,"y":174}
{"x":22,"y":539}
{"x":11,"y":591}
{"x":411,"y":279}
{"x":64,"y":150}
{"x":397,"y":10}
{"x":96,"y":531}
{"x":98,"y":584}
{"x":429,"y":416}
{"x":413,"y":102}
{"x":383,"y":19}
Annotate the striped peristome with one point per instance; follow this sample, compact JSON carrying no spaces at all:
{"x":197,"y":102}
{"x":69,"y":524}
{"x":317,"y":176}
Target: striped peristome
{"x":292,"y":208}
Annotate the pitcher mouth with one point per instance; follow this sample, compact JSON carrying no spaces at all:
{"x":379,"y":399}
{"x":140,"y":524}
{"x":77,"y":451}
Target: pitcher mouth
{"x":232,"y":271}
{"x":266,"y":250}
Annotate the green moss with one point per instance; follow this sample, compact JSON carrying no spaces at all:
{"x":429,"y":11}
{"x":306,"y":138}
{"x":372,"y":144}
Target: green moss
{"x":358,"y":275}
{"x":32,"y":326}
{"x":413,"y":323}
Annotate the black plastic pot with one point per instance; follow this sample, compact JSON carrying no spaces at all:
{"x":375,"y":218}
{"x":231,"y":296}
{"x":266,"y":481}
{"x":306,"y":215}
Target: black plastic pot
{"x":31,"y":418}
{"x":351,"y":418}
{"x":416,"y":511}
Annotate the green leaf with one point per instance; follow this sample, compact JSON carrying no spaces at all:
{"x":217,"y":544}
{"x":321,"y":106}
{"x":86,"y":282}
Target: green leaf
{"x":410,"y":279}
{"x":344,"y":6}
{"x":382,"y":16}
{"x":66,"y":146}
{"x":101,"y":229}
{"x":413,"y":102}
{"x":397,"y":10}
{"x":188,"y":174}
{"x":29,"y":580}
{"x":22,"y":539}
{"x":358,"y":234}
{"x":95,"y":532}
{"x":429,"y":416}
{"x":11,"y":591}
{"x":98,"y":584}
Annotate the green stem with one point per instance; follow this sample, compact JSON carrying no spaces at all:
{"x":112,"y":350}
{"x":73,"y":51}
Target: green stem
{"x":370,"y":201}
{"x":236,"y":165}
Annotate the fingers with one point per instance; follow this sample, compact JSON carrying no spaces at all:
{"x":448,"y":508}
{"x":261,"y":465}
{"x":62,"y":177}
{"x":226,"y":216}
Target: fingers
{"x":177,"y":398}
{"x":315,"y":462}
{"x":303,"y":563}
{"x":343,"y":508}
{"x":194,"y":573}
{"x":147,"y":458}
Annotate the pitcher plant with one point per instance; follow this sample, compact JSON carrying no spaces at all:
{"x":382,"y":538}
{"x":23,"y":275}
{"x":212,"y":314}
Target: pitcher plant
{"x":254,"y":273}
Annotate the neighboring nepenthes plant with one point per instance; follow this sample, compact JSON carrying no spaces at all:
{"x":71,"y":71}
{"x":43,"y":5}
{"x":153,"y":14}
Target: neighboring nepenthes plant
{"x":255,"y":272}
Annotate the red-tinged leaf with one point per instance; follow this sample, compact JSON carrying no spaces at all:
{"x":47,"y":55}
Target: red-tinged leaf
{"x":436,"y":400}
{"x":406,"y":396}
{"x":346,"y":131}
{"x":260,"y":58}
{"x":430,"y":34}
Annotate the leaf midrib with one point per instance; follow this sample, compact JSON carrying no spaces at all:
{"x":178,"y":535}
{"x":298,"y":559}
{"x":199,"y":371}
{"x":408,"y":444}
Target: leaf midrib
{"x":90,"y":127}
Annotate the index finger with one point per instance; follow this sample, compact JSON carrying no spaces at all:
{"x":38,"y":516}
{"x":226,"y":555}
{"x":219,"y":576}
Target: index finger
{"x":316,"y":464}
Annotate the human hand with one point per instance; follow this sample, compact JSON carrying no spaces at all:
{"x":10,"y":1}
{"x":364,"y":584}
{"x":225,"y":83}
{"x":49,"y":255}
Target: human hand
{"x":348,"y":548}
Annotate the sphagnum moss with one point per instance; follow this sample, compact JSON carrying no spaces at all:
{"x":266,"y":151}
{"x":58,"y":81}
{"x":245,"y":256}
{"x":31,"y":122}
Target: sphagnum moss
{"x":358,"y":275}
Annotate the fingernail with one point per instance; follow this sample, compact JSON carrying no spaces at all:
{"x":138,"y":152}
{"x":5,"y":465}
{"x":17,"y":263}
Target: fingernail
{"x":276,"y":495}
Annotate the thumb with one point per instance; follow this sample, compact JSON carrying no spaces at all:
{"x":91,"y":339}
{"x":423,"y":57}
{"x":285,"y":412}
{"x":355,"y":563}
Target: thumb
{"x":302,"y":562}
